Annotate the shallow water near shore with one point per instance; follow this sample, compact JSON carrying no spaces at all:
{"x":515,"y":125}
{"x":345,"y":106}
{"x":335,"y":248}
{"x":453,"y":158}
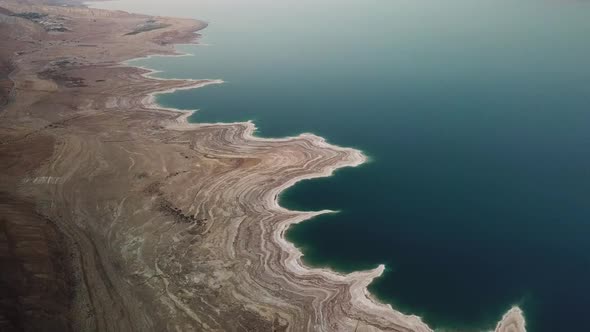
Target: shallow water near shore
{"x":474,"y":115}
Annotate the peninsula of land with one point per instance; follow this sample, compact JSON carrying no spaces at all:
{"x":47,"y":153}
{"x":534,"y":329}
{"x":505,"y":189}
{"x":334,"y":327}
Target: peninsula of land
{"x":119,"y":215}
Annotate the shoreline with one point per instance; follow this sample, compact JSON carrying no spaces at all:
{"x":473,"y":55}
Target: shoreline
{"x":246,"y":262}
{"x":512,"y":320}
{"x":360,"y":279}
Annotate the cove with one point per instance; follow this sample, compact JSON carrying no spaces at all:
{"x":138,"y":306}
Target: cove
{"x":474,"y":115}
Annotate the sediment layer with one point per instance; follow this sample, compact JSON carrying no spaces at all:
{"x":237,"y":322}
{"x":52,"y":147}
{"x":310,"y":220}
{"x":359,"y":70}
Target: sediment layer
{"x":166,"y":225}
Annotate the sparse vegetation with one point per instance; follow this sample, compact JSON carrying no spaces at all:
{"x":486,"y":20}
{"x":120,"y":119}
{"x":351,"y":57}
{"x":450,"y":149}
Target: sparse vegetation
{"x":49,"y":23}
{"x":149,"y":25}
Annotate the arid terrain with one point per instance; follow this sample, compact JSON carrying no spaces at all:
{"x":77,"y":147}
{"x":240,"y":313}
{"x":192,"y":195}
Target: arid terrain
{"x":116,"y":215}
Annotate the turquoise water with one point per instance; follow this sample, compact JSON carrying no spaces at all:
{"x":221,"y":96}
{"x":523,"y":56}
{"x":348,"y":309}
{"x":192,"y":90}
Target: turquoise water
{"x":475,"y":115}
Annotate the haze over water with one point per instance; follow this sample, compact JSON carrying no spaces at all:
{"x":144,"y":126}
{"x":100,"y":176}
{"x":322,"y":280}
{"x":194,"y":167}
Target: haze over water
{"x":475,"y":115}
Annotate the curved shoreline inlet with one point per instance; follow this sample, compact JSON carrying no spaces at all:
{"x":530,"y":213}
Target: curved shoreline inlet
{"x":479,"y":164}
{"x":360,"y":299}
{"x":121,"y":212}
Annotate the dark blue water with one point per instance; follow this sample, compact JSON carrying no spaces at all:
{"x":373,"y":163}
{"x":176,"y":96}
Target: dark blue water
{"x":475,"y":115}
